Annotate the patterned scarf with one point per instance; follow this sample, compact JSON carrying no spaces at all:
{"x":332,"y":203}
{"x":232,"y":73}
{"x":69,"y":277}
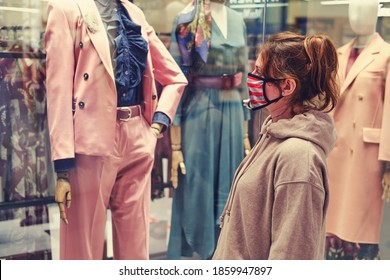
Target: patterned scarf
{"x":193,"y":33}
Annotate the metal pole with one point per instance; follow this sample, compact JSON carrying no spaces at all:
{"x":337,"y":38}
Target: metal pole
{"x":264,"y":19}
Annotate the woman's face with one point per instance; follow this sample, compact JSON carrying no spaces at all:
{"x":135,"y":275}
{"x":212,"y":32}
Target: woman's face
{"x":277,"y":89}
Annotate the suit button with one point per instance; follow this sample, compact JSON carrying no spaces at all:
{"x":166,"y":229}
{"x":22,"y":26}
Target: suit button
{"x":81,"y":104}
{"x":81,"y":45}
{"x":154,"y":97}
{"x":86,"y":76}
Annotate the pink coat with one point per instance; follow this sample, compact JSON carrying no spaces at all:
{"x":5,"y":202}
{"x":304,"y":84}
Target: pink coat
{"x":80,"y":74}
{"x":356,"y":164}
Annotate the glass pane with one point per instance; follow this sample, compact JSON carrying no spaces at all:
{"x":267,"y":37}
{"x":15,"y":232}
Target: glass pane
{"x":26,"y":172}
{"x":212,"y":124}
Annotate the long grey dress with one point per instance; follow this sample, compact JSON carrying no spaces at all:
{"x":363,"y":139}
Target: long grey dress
{"x":211,"y":122}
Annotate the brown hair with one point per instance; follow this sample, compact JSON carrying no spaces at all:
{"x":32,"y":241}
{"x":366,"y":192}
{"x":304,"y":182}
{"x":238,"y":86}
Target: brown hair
{"x":311,"y":61}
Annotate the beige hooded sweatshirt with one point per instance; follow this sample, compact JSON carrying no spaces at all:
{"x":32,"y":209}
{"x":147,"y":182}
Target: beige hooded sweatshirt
{"x":279,"y":196}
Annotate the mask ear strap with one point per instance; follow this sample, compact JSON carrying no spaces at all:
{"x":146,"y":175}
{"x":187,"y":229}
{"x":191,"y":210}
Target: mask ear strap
{"x":261,"y":106}
{"x":276,"y":99}
{"x":265,"y":93}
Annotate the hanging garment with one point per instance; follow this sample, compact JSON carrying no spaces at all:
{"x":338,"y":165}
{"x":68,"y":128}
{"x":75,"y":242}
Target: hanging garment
{"x":25,"y":161}
{"x":211,"y":121}
{"x":356,"y":164}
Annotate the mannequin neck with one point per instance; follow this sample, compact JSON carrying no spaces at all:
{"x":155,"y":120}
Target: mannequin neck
{"x":219,"y":14}
{"x":362,"y":41}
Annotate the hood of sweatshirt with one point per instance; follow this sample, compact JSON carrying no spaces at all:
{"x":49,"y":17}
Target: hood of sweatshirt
{"x":314,"y":126}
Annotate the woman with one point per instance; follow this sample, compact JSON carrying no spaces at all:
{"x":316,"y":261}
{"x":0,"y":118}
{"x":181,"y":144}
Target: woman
{"x":279,"y":196}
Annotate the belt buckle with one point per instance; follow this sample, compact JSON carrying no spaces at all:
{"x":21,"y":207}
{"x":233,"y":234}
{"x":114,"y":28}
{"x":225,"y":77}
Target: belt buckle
{"x":226,"y":81}
{"x":128,"y":116}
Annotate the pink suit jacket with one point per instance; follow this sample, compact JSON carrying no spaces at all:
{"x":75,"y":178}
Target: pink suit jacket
{"x":81,"y":92}
{"x":362,"y":122}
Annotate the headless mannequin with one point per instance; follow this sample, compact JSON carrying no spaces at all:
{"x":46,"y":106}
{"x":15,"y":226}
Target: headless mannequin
{"x":219,"y":15}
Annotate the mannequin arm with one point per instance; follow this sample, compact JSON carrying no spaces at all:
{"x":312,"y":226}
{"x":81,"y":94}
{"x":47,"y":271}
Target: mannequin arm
{"x":386,"y":183}
{"x":247,"y":144}
{"x":63,"y":195}
{"x":177,"y":155}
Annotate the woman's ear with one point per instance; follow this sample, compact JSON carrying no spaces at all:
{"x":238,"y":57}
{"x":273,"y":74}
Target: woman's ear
{"x":288,"y":86}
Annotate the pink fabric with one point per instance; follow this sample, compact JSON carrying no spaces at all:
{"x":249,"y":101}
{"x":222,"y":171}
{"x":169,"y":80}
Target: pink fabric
{"x":90,"y":130}
{"x":356,"y":164}
{"x":118,"y":181}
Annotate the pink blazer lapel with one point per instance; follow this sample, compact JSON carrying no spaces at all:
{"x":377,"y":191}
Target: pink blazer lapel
{"x":97,"y":32}
{"x":364,"y":59}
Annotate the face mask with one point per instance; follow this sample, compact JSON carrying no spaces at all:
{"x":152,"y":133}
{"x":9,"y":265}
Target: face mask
{"x":257,"y":95}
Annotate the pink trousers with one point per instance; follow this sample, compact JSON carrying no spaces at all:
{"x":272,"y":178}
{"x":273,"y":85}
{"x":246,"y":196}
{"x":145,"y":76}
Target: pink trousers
{"x":120,"y":182}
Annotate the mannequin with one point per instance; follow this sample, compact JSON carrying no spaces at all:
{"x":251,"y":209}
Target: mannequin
{"x":362,"y":17}
{"x":209,"y":134}
{"x":104,"y":120}
{"x":358,"y":165}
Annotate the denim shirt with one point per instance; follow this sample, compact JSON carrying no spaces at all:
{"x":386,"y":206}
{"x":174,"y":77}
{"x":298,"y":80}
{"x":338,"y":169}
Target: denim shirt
{"x":128,"y":51}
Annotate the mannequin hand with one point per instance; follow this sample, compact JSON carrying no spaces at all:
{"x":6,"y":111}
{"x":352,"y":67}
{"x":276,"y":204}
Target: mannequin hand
{"x":247,"y":146}
{"x":177,"y":161}
{"x":63,"y":197}
{"x":386,"y":186}
{"x":156,"y":129}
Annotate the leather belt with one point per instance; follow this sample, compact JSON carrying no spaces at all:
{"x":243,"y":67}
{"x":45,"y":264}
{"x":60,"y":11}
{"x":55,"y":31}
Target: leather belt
{"x":220,"y":82}
{"x":125,"y":113}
